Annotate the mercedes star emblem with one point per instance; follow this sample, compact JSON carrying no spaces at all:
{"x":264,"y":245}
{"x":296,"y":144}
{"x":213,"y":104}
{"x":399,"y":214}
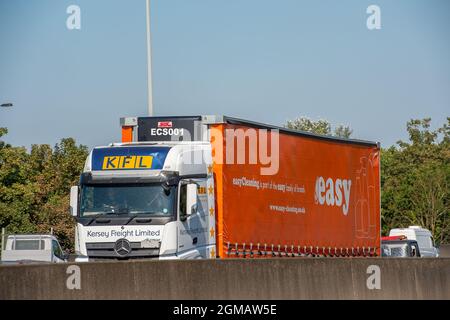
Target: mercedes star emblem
{"x":122,"y":247}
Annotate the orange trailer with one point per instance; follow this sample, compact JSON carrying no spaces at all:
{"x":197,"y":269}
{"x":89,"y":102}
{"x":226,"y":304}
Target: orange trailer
{"x":280,"y":192}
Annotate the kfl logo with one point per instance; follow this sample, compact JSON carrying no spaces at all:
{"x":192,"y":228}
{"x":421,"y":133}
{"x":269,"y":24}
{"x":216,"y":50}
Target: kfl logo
{"x":333,"y":193}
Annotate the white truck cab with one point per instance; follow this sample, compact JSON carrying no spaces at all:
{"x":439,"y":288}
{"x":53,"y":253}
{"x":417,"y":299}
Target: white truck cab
{"x":422,"y":236}
{"x":19,"y":249}
{"x":145,"y":200}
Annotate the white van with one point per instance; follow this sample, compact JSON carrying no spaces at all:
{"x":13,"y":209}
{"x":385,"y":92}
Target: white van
{"x":422,"y":236}
{"x":33,"y":248}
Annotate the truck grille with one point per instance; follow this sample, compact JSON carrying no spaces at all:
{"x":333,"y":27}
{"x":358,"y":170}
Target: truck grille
{"x":106,"y":250}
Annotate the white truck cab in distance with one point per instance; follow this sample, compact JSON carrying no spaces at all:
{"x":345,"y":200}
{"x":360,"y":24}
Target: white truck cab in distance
{"x":19,"y":249}
{"x":422,"y":236}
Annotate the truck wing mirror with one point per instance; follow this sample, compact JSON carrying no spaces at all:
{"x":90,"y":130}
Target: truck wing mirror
{"x":188,"y":200}
{"x":74,"y":201}
{"x":191,"y":198}
{"x":169,"y":182}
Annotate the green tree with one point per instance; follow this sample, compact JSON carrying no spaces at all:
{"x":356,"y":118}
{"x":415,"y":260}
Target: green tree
{"x":35,"y":185}
{"x":62,"y":171}
{"x":3,"y":132}
{"x":343,"y":131}
{"x":415,"y":179}
{"x":320,"y":126}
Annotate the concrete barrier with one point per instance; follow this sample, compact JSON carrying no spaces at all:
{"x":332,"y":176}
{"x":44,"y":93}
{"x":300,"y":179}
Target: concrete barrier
{"x":444,"y":251}
{"x":290,"y":278}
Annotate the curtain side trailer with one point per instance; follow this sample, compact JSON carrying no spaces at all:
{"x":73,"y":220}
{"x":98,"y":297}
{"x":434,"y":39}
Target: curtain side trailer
{"x":221,"y":187}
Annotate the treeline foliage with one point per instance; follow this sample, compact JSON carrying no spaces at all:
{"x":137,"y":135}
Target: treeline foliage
{"x":415,"y":176}
{"x":35,"y":185}
{"x":320,"y":127}
{"x":415,"y":180}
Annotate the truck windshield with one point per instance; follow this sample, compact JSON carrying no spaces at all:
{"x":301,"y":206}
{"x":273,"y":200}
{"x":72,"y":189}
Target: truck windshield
{"x":126,"y":199}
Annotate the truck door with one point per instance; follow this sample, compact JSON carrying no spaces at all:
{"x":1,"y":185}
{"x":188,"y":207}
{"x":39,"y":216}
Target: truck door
{"x":57,"y":253}
{"x":192,"y":225}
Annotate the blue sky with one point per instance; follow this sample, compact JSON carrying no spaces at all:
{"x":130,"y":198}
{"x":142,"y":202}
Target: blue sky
{"x":261,"y":60}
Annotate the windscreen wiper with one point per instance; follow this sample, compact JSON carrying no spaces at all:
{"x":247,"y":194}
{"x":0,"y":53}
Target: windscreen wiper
{"x":140,"y":219}
{"x":99,"y":220}
{"x":131,"y":219}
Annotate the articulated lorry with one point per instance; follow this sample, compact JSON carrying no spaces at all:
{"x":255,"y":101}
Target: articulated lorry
{"x":221,"y":187}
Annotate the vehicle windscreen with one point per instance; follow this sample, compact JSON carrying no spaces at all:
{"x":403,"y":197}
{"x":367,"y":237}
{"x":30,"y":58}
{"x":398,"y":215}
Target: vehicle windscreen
{"x":29,"y":244}
{"x":126,"y":199}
